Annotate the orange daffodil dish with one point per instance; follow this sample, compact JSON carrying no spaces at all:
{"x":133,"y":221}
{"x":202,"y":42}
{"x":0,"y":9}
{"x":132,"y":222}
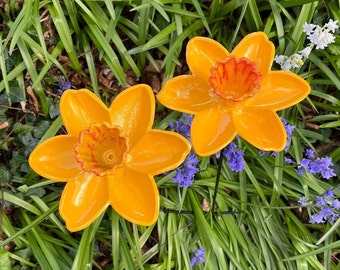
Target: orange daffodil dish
{"x":109,"y":156}
{"x":233,"y":94}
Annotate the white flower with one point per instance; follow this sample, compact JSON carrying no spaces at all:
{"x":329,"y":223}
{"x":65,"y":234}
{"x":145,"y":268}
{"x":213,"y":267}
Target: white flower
{"x":308,"y":28}
{"x":296,"y":60}
{"x":331,"y":26}
{"x":287,"y":63}
{"x":321,"y":36}
{"x":306,"y":51}
{"x":279,"y":59}
{"x":317,"y":35}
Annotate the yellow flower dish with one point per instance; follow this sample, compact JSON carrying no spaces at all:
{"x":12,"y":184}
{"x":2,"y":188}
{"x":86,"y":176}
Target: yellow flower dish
{"x":109,"y":156}
{"x":233,"y":94}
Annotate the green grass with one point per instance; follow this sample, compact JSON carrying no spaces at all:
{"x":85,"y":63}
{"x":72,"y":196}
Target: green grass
{"x":266,"y":229}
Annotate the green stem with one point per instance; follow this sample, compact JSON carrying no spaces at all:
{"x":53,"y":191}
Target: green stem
{"x":218,"y":176}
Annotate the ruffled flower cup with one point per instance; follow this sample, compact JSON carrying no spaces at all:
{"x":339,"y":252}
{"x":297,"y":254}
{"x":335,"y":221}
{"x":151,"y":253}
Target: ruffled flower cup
{"x":233,"y":94}
{"x":109,"y":156}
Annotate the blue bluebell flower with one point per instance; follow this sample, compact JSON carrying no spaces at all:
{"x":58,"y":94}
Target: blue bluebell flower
{"x":303,"y":202}
{"x":309,"y":153}
{"x":198,"y":257}
{"x":234,"y":157}
{"x":300,"y":171}
{"x":317,"y":218}
{"x":320,"y":201}
{"x":185,"y":173}
{"x":63,"y":85}
{"x":325,"y":214}
{"x":316,"y":165}
{"x":182,"y":125}
{"x":336,"y":204}
{"x":289,"y":130}
{"x":329,"y":193}
{"x":325,"y":207}
{"x":263,"y":153}
{"x":288,"y":160}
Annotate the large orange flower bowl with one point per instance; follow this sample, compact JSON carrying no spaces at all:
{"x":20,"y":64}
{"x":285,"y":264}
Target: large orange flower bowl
{"x":233,"y":94}
{"x":109,"y":156}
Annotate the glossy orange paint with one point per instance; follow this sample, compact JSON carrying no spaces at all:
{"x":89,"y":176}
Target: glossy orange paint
{"x":233,"y":93}
{"x":109,"y":156}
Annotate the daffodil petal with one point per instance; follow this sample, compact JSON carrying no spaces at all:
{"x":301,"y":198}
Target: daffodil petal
{"x":159,"y":151}
{"x":260,"y":127}
{"x":280,"y":90}
{"x":80,"y":108}
{"x":84,"y":198}
{"x":258,"y":49}
{"x":202,"y":54}
{"x":133,"y":110}
{"x":187,"y":93}
{"x":211,"y":131}
{"x":134,"y":196}
{"x":55,"y":158}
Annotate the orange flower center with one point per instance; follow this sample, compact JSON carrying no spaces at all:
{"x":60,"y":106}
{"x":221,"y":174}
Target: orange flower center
{"x":235,"y":79}
{"x":101,"y":149}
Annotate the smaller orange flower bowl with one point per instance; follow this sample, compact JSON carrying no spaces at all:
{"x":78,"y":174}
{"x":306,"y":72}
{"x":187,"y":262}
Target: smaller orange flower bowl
{"x":233,"y":94}
{"x":109,"y":156}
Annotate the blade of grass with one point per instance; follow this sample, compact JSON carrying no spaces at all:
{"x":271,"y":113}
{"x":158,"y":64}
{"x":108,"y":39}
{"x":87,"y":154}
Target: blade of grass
{"x":53,"y":129}
{"x":72,"y":13}
{"x":126,"y":253}
{"x":83,"y":39}
{"x":84,"y":255}
{"x":325,"y":69}
{"x":8,"y":229}
{"x":144,"y":15}
{"x":14,"y":73}
{"x":278,"y":23}
{"x":202,"y":15}
{"x":64,"y":33}
{"x":329,"y":232}
{"x":49,"y":59}
{"x":297,"y":38}
{"x":254,"y":15}
{"x":31,"y":69}
{"x":21,"y":260}
{"x":20,"y":203}
{"x":31,"y":225}
{"x":49,"y":256}
{"x":44,"y":207}
{"x":17,"y":27}
{"x":115,"y":231}
{"x":210,"y":240}
{"x":3,"y":54}
{"x":110,"y":56}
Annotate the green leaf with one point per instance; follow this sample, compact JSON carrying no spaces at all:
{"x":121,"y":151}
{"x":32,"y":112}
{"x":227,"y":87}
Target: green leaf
{"x":5,"y":262}
{"x":64,"y":32}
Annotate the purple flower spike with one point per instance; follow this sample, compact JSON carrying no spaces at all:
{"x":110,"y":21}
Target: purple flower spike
{"x":234,"y":157}
{"x":289,"y":130}
{"x":198,"y":257}
{"x":325,"y":207}
{"x":186,"y":172}
{"x":316,"y":165}
{"x":182,"y":125}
